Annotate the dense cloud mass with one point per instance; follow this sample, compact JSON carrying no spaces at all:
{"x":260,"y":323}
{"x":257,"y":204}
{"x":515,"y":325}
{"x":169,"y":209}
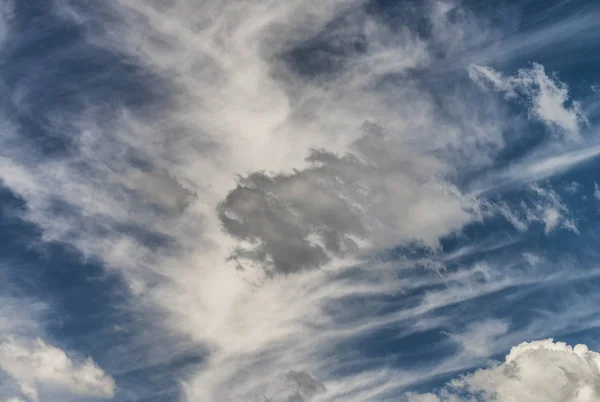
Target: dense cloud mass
{"x":301,"y":220}
{"x":301,"y":200}
{"x":533,"y":371}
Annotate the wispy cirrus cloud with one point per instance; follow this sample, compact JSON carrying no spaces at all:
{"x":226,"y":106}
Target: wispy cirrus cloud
{"x":545,"y":97}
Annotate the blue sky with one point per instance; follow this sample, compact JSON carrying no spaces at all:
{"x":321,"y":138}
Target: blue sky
{"x":340,"y":200}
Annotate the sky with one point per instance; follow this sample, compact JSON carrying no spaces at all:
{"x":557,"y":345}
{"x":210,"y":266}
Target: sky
{"x":299,"y":201}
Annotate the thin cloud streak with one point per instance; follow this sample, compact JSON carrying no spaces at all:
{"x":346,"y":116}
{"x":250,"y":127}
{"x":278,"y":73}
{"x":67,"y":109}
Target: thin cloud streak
{"x":534,"y":170}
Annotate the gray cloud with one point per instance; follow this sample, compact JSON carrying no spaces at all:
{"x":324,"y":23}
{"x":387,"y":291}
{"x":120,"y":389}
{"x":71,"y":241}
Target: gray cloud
{"x":293,"y":221}
{"x":368,"y":199}
{"x":306,"y":386}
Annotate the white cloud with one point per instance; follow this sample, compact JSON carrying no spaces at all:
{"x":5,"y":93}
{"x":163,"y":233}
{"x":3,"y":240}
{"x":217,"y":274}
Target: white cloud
{"x":232,"y":106}
{"x":36,"y":364}
{"x":537,"y":167}
{"x":519,"y":223}
{"x":6,"y":15}
{"x":539,"y":371}
{"x":544,"y":206}
{"x":549,"y":209}
{"x":477,"y":338}
{"x":532,"y":259}
{"x":596,"y":191}
{"x":546,"y":97}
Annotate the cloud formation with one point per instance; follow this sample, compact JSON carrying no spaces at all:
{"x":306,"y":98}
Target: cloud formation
{"x":545,"y":97}
{"x":300,"y":221}
{"x":544,"y":206}
{"x":539,"y":371}
{"x":37,"y":364}
{"x":241,"y":156}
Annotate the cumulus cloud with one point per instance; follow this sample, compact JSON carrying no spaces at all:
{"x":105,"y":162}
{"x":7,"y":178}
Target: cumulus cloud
{"x":539,"y":371}
{"x":37,"y":364}
{"x":547,"y":98}
{"x":32,"y":366}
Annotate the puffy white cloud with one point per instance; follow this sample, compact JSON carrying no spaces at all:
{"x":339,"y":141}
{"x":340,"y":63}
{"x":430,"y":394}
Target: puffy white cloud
{"x":36,"y":364}
{"x":539,"y":371}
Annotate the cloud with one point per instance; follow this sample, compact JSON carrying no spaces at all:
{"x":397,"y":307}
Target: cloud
{"x":549,"y":210}
{"x":477,"y":338}
{"x":237,"y":159}
{"x":556,"y":26}
{"x":422,"y":398}
{"x":596,"y":191}
{"x":541,"y":370}
{"x":546,"y":97}
{"x":543,"y":205}
{"x":6,"y":16}
{"x":532,"y":259}
{"x":37,"y":364}
{"x":20,"y":316}
{"x":537,"y":167}
{"x":306,"y":386}
{"x":302,"y":220}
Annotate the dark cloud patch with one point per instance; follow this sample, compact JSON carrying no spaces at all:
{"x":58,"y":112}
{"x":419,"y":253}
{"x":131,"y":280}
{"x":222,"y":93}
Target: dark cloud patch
{"x":305,"y":382}
{"x":295,"y":221}
{"x":375,"y":197}
{"x":332,"y":208}
{"x":306,"y":386}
